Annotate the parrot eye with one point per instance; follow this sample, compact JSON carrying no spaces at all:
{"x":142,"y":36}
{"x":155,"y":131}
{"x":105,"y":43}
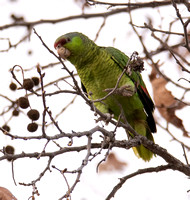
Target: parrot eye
{"x":58,"y":46}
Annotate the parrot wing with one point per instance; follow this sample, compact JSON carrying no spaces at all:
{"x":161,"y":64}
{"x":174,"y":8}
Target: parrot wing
{"x":121,"y":60}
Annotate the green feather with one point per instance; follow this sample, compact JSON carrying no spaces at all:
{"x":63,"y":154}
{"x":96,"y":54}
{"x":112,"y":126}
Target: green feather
{"x":99,"y":69}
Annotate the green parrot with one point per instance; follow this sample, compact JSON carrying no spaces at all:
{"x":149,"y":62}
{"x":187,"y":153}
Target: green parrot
{"x":99,"y":69}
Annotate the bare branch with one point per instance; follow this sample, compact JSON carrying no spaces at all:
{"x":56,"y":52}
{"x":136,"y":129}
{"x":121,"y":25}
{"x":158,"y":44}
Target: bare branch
{"x":138,"y":172}
{"x":130,"y":7}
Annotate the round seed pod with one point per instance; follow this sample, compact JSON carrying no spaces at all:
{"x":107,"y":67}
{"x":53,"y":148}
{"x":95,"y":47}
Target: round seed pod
{"x":9,"y":150}
{"x":32,"y":127}
{"x":6,"y":127}
{"x":15,"y":112}
{"x":23,"y":102}
{"x":36,"y":80}
{"x":28,"y":84}
{"x":13,"y":86}
{"x":33,"y":114}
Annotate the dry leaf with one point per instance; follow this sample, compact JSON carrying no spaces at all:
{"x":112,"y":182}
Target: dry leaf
{"x":166,"y":103}
{"x":5,"y":194}
{"x":112,"y":164}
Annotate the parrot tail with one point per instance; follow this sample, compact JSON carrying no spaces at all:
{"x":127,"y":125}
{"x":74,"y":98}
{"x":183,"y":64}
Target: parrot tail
{"x":141,"y":151}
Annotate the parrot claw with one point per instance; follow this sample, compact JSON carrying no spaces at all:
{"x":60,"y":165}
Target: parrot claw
{"x":107,"y":119}
{"x":125,"y":90}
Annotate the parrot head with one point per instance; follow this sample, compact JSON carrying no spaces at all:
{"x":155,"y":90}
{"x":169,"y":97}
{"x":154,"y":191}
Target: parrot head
{"x":72,"y":46}
{"x":60,"y":45}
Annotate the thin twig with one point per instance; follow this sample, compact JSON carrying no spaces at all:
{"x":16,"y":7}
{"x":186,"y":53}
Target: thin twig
{"x":117,"y":83}
{"x":184,"y":153}
{"x":13,"y":175}
{"x":138,"y":172}
{"x":183,"y":24}
{"x":88,"y":16}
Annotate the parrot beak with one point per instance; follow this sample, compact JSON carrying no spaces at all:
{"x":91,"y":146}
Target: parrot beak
{"x":63,"y":52}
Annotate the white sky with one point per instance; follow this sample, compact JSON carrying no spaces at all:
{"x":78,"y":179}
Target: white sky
{"x":93,"y":186}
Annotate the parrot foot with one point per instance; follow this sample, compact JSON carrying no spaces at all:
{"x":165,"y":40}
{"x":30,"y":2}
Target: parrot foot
{"x":125,"y":90}
{"x":107,"y":119}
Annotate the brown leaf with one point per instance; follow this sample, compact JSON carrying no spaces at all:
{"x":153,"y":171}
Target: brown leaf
{"x":112,"y":164}
{"x":166,"y":103}
{"x":5,"y":194}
